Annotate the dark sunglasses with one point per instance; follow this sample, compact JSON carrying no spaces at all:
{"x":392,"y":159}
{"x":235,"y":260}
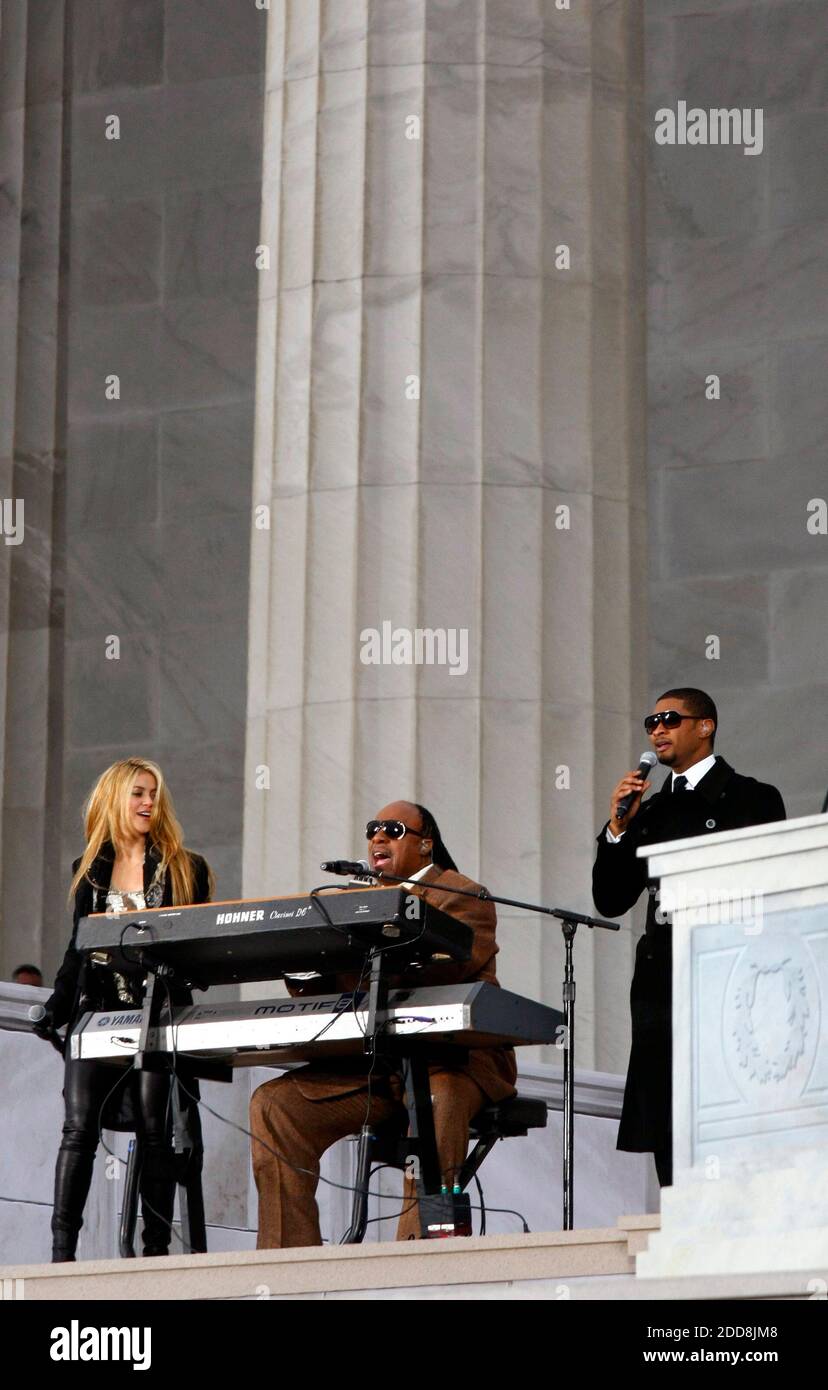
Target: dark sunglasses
{"x":394,"y":829}
{"x":670,"y":718}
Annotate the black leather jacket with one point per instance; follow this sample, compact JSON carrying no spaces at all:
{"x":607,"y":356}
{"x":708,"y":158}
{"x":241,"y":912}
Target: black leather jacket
{"x":80,"y":985}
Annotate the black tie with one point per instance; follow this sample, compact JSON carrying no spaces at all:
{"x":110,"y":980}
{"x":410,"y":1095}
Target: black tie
{"x":679,"y":783}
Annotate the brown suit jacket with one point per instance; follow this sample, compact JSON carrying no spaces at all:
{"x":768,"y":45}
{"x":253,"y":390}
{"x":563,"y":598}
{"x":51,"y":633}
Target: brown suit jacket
{"x":493,"y":1069}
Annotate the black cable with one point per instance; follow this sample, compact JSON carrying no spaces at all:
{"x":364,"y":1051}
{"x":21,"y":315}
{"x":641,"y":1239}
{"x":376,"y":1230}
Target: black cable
{"x":323,"y":911}
{"x":297,"y":1168}
{"x":389,"y":1216}
{"x":196,"y":1056}
{"x":123,"y":1077}
{"x":510,"y":1211}
{"x":482,"y":1207}
{"x":198,"y":1100}
{"x":111,"y":1154}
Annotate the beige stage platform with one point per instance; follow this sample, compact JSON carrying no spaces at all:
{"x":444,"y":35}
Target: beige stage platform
{"x":556,"y":1266}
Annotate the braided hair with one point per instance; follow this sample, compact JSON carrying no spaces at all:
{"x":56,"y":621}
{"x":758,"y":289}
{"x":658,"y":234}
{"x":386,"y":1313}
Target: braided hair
{"x":439,"y":854}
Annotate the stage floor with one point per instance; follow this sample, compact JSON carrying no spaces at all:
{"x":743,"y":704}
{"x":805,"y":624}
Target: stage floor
{"x":555,"y":1266}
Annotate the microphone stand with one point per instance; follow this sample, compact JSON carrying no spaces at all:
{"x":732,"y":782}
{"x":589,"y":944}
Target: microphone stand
{"x":570,"y":921}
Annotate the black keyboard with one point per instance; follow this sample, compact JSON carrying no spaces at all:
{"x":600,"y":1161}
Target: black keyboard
{"x":234,"y":942}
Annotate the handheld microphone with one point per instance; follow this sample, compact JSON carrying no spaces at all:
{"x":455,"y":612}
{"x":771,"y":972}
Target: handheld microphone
{"x":347,"y":867}
{"x":646,"y":764}
{"x":35,"y":1015}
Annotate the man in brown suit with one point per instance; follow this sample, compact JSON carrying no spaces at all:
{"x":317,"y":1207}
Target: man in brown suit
{"x":295,"y":1118}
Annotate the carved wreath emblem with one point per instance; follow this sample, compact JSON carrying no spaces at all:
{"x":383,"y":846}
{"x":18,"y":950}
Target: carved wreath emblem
{"x":764,"y":1062}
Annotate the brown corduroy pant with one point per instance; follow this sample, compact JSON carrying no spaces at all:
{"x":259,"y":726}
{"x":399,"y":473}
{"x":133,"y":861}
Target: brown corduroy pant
{"x":296,"y":1130}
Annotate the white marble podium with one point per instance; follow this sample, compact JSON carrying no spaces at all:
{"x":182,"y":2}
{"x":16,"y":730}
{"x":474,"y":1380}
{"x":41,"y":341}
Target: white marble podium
{"x":750,"y":1051}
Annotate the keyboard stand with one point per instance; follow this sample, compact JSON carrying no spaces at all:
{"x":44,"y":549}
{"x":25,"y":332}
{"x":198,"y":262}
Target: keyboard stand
{"x":186,"y":1126}
{"x":417,"y":1084}
{"x":146,"y":1060}
{"x":188,"y":1150}
{"x":188,"y":1157}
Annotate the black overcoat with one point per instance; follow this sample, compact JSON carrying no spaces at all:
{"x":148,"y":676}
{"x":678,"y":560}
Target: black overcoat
{"x":723,"y":800}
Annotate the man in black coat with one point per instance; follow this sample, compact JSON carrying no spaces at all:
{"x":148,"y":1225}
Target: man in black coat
{"x":701,"y":796}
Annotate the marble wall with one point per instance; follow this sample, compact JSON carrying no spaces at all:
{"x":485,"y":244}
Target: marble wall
{"x":738,"y":286}
{"x":33,"y":374}
{"x":141,"y":267}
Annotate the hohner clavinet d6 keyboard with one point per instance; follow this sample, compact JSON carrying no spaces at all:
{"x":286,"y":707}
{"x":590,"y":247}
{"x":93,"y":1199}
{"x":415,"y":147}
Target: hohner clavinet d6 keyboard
{"x":236,"y":942}
{"x":276,"y":1031}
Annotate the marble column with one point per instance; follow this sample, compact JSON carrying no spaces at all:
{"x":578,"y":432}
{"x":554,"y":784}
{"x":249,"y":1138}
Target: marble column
{"x":449,"y":434}
{"x":33,"y":255}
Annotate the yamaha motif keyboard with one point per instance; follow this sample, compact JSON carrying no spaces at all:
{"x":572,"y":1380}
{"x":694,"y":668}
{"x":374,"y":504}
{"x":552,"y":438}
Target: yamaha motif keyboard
{"x":276,"y":1031}
{"x":233,"y":942}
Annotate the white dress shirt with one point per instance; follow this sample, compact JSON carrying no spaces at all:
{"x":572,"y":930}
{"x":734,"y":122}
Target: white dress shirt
{"x":419,"y":874}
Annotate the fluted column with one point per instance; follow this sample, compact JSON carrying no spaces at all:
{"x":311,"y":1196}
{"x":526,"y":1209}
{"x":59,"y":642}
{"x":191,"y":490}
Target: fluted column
{"x":33,"y":266}
{"x":449,"y":435}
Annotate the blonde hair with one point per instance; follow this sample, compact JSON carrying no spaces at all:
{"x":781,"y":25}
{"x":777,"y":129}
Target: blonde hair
{"x":106,"y":818}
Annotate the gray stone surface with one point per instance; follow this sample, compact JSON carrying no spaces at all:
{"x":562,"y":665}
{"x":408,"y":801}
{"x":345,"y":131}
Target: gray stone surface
{"x":204,"y":461}
{"x":797,"y":429}
{"x":132,"y":166}
{"x":118,"y":257}
{"x":797,"y":155}
{"x":685,"y":427}
{"x":205,"y":38}
{"x":722,"y":520}
{"x":145,"y":268}
{"x":117,"y":476}
{"x":206,"y":351}
{"x":118,"y":43}
{"x":210,"y":236}
{"x":741,"y":605}
{"x":738,"y":285}
{"x":799,"y":604}
{"x":111,"y":703}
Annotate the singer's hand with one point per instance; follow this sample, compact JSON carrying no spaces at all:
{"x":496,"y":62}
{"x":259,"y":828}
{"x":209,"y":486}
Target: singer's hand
{"x":631,"y":783}
{"x":45,"y":1027}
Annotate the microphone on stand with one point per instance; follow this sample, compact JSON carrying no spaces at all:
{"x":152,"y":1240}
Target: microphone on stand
{"x":646,"y":764}
{"x":348,"y":867}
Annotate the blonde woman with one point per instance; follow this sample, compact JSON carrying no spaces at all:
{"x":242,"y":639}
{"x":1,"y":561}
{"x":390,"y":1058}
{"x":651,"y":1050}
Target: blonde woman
{"x":134,"y":859}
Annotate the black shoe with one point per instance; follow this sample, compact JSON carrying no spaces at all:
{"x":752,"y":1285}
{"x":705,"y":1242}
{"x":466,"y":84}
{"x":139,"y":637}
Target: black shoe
{"x":157,"y":1200}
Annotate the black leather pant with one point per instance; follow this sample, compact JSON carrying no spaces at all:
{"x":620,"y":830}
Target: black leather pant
{"x":87,"y":1084}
